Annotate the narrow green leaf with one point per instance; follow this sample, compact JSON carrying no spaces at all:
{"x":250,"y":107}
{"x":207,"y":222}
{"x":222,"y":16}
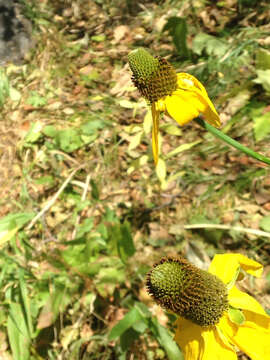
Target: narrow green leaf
{"x":128,"y":320}
{"x":126,"y":244}
{"x":26,"y":301}
{"x":182,"y":148}
{"x":18,"y":333}
{"x":166,"y":341}
{"x":177,"y":28}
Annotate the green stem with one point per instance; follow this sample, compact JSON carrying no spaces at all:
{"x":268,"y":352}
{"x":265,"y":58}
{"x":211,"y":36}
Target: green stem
{"x":232,"y":142}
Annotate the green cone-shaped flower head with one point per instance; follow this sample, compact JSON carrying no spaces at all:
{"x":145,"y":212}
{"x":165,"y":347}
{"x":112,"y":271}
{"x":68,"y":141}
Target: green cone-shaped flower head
{"x":188,"y":291}
{"x":154,"y":77}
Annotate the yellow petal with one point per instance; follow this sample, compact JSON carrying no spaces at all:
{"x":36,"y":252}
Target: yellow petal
{"x":200,"y":343}
{"x":250,"y":266}
{"x":191,"y":84}
{"x":155,"y":128}
{"x":260,"y":320}
{"x":249,"y":337}
{"x":241,"y":300}
{"x":181,"y":108}
{"x":225,"y":266}
{"x":187,"y":81}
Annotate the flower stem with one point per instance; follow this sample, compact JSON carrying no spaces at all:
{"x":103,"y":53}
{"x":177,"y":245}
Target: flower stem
{"x":232,"y":142}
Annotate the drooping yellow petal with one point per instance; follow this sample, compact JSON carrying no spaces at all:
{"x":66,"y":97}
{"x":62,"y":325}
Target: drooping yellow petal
{"x":225,"y":266}
{"x":187,"y":81}
{"x":155,"y":128}
{"x":252,"y":339}
{"x":190,"y":84}
{"x":199,"y":343}
{"x":241,"y":300}
{"x":250,"y":266}
{"x":181,"y":107}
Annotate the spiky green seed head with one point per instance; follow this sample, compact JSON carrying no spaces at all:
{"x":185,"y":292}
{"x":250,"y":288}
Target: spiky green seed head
{"x":153,"y":77}
{"x":188,"y":291}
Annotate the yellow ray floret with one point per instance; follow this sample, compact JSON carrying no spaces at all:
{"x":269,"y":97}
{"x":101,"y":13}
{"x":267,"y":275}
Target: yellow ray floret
{"x":187,"y":102}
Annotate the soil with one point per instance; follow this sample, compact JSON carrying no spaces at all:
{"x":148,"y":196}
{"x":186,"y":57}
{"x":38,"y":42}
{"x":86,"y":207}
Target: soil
{"x":15,"y":32}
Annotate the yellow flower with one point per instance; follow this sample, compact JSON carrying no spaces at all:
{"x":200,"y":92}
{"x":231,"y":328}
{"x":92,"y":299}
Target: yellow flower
{"x":181,"y":95}
{"x":245,"y":326}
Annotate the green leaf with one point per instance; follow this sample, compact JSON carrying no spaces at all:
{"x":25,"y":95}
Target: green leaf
{"x":261,"y":126}
{"x":122,"y":241}
{"x":98,"y":38}
{"x":14,"y":94}
{"x":34,"y":132}
{"x":10,"y":224}
{"x":265,"y":223}
{"x":50,"y":131}
{"x":69,"y":140}
{"x":210,"y":44}
{"x":94,"y":190}
{"x":177,"y":28}
{"x":236,"y":316}
{"x":182,"y":148}
{"x":128,"y":338}
{"x":25,"y":301}
{"x":135,"y":140}
{"x":263,"y":59}
{"x":92,"y":126}
{"x":125,"y":245}
{"x":85,"y":227}
{"x":140,"y":326}
{"x":131,"y":318}
{"x":18,"y":332}
{"x":45,"y":180}
{"x":4,"y":87}
{"x":171,"y":129}
{"x":166,"y":341}
{"x":59,"y":300}
{"x":263,"y":78}
{"x":36,"y":100}
{"x":161,"y":170}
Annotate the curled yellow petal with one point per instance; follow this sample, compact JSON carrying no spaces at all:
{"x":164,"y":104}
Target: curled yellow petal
{"x":251,"y":338}
{"x":199,"y":343}
{"x":182,"y":108}
{"x":225,"y":266}
{"x":191,"y":85}
{"x":250,"y":266}
{"x":241,"y":300}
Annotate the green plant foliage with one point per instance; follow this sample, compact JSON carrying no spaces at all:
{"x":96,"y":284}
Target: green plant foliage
{"x":265,"y":223}
{"x":177,"y":28}
{"x":263,"y":78}
{"x":10,"y":224}
{"x":84,"y":213}
{"x":210,"y":44}
{"x":36,"y":100}
{"x":263,"y":59}
{"x":71,"y":139}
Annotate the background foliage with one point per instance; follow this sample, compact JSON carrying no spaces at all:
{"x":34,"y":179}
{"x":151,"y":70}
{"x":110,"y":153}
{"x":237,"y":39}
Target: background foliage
{"x":84,"y":214}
